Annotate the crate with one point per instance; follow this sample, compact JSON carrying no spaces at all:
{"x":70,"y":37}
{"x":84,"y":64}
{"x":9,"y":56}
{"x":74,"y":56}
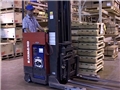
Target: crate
{"x":90,"y":52}
{"x":88,"y":65}
{"x":6,"y":49}
{"x":11,"y":4}
{"x":87,"y":46}
{"x":91,"y":59}
{"x":88,"y":38}
{"x":18,"y":48}
{"x":11,"y":32}
{"x":89,"y":32}
{"x":13,"y":17}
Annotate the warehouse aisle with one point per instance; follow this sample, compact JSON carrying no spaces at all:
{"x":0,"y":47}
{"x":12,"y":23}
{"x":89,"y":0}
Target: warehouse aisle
{"x":13,"y":76}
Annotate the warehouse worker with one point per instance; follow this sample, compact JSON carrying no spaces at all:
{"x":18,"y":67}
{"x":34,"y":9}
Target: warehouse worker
{"x":30,"y":23}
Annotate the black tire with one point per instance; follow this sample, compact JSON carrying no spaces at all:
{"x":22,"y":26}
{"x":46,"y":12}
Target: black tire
{"x":27,"y":78}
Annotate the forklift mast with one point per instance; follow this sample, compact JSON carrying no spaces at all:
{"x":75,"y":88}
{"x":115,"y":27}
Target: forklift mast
{"x":62,"y":61}
{"x":59,"y":26}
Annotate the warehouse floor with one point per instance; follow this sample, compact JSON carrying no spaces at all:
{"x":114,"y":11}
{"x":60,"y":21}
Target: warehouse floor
{"x":13,"y":76}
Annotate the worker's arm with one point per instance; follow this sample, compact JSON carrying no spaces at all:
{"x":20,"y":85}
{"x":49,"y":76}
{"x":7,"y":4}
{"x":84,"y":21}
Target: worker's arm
{"x":39,"y":27}
{"x":25,"y":26}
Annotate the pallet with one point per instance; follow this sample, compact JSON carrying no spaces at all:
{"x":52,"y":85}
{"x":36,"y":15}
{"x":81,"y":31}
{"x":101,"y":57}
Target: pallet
{"x":89,"y":46}
{"x":88,"y":39}
{"x":111,"y":9}
{"x":13,"y":39}
{"x":87,"y":25}
{"x":90,"y":65}
{"x":18,"y":54}
{"x":111,"y":50}
{"x":111,"y":33}
{"x":110,"y":58}
{"x":90,"y":52}
{"x":7,"y":10}
{"x":89,"y":32}
{"x":7,"y":56}
{"x":91,"y":59}
{"x":11,"y":25}
{"x":39,"y":6}
{"x":90,"y":71}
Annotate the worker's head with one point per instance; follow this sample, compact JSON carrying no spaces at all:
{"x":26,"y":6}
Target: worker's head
{"x":30,"y":10}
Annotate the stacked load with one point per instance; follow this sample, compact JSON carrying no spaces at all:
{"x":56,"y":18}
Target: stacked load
{"x":111,"y":6}
{"x":11,"y":27}
{"x":88,"y":40}
{"x":74,"y":11}
{"x":111,"y":29}
{"x":111,"y":49}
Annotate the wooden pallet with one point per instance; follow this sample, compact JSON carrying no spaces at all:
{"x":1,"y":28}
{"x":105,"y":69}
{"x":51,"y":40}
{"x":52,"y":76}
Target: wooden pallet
{"x":109,"y":9}
{"x":90,"y":52}
{"x":90,"y":65}
{"x":89,"y":46}
{"x":87,"y":25}
{"x":111,"y":33}
{"x":91,"y":59}
{"x":13,"y":39}
{"x":90,"y":71}
{"x":18,"y":54}
{"x":88,"y":38}
{"x":7,"y":10}
{"x":10,"y":25}
{"x":7,"y":56}
{"x":110,"y":58}
{"x":113,"y":10}
{"x":88,"y":32}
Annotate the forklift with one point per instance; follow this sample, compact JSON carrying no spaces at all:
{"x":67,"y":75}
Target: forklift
{"x":49,"y":58}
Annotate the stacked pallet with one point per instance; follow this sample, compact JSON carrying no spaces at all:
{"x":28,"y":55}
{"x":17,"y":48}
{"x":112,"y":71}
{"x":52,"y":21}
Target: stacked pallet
{"x":111,"y":6}
{"x":74,"y":11}
{"x":88,"y":39}
{"x":111,"y":49}
{"x":111,"y":29}
{"x":11,"y":26}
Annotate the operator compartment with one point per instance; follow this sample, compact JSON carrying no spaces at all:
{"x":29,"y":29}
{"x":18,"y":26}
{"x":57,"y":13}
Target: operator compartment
{"x":36,"y":63}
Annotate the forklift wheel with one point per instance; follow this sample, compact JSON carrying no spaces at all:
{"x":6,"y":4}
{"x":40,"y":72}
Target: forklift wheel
{"x":27,"y":78}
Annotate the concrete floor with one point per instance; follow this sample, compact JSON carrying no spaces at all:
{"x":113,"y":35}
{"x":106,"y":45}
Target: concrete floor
{"x":13,"y":76}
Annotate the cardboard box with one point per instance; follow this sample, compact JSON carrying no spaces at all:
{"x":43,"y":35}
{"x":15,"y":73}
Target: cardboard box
{"x":11,"y":32}
{"x":6,"y":48}
{"x":13,"y":17}
{"x":11,"y":4}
